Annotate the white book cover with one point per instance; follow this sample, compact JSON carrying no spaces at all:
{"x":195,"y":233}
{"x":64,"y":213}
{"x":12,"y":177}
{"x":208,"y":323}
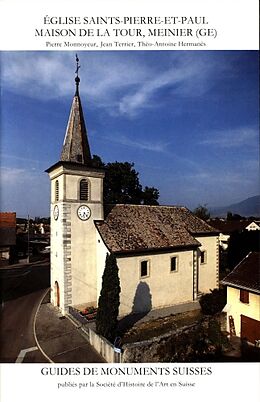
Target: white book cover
{"x":171,"y":86}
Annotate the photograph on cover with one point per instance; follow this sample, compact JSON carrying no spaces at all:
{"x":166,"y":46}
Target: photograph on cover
{"x":130,"y":218}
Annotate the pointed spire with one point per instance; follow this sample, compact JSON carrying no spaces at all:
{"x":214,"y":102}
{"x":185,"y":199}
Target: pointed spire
{"x":75,"y":145}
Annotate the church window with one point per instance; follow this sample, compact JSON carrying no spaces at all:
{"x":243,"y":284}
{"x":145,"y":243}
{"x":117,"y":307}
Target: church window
{"x":144,"y":269}
{"x":203,"y":257}
{"x":56,"y":190}
{"x":174,"y":264}
{"x":84,"y":190}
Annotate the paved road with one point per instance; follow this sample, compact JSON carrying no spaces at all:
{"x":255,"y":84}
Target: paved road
{"x":21,"y":289}
{"x":17,"y":329}
{"x":61,"y":340}
{"x":20,"y":280}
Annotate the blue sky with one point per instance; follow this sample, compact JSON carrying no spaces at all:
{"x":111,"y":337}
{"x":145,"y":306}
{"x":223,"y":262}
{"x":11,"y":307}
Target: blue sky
{"x":187,"y":119}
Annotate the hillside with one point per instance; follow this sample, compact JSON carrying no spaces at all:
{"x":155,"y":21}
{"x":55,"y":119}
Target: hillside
{"x":248,"y":207}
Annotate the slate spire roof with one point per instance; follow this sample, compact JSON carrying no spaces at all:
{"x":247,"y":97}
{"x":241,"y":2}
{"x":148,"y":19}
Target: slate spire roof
{"x":75,"y":146}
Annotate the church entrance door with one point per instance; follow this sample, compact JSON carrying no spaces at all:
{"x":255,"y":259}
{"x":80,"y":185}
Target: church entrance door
{"x":57,"y":294}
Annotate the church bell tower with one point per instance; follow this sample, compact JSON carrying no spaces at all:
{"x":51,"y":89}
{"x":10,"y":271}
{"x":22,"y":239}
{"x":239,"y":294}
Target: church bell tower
{"x":76,"y":202}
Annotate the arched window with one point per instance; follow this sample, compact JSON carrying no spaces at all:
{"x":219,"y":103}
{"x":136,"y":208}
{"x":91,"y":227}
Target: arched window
{"x":56,"y":190}
{"x":84,"y":190}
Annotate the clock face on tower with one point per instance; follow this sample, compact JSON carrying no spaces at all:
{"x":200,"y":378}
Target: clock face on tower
{"x":84,"y":212}
{"x":56,"y":212}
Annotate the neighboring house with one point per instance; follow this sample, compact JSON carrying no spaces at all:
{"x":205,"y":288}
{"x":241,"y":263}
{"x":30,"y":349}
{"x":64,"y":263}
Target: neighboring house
{"x":165,"y":254}
{"x":255,"y":225}
{"x":223,"y":241}
{"x":226,"y":229}
{"x":243,"y":298}
{"x":7,"y":235}
{"x":41,"y":228}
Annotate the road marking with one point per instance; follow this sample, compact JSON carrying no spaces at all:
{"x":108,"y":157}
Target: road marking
{"x":34,"y":327}
{"x":23,"y":353}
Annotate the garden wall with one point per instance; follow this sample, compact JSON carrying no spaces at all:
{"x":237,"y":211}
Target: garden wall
{"x":104,"y":347}
{"x":99,"y":343}
{"x":196,"y":342}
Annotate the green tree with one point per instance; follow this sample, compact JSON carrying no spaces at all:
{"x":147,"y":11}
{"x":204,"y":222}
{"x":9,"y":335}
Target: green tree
{"x":108,"y":303}
{"x":150,"y":196}
{"x":213,"y":302}
{"x":97,"y":162}
{"x":122,"y":186}
{"x":202,"y":212}
{"x":233,"y":217}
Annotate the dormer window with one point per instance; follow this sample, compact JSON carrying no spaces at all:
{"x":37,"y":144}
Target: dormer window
{"x":56,"y":190}
{"x":84,"y":190}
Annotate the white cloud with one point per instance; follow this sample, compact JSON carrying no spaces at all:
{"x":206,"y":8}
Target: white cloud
{"x":123,"y":83}
{"x":24,"y":191}
{"x":187,"y":78}
{"x":38,"y":74}
{"x":11,"y":174}
{"x":211,"y":178}
{"x":236,"y":137}
{"x":145,"y":145}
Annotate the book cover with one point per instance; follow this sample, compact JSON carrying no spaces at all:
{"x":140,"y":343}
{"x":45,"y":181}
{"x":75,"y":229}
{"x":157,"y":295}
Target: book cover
{"x":170,"y":91}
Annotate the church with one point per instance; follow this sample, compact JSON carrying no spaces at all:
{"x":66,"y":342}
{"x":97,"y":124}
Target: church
{"x":165,"y":255}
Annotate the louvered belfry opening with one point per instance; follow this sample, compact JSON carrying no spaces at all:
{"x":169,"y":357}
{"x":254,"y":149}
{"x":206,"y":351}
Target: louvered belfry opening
{"x":56,"y":190}
{"x":84,"y":189}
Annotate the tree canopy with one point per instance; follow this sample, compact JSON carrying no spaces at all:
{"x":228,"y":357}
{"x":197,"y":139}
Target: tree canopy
{"x":108,"y":303}
{"x":122,"y":186}
{"x":202,"y":212}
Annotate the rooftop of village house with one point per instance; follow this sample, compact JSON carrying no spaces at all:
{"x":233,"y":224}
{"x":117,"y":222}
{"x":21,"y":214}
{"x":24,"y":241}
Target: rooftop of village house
{"x":246,"y":274}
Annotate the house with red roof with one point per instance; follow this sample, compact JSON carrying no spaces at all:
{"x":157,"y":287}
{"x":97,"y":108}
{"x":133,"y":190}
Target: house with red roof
{"x":7,"y":235}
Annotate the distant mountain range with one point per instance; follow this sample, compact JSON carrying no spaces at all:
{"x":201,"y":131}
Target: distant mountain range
{"x":248,"y":207}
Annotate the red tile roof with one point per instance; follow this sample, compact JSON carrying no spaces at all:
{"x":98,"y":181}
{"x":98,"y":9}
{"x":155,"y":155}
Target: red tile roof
{"x":7,"y":228}
{"x":246,"y":275}
{"x":7,"y":219}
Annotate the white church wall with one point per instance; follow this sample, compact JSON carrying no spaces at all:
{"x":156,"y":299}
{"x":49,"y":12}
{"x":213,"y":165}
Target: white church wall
{"x":161,"y":287}
{"x":72,"y":186}
{"x":73,"y":245}
{"x":57,"y":259}
{"x":208,"y":272}
{"x":102,"y":251}
{"x":83,"y":256}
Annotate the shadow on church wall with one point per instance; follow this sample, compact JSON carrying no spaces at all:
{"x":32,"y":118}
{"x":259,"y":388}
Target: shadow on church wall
{"x":143,"y":299}
{"x":142,"y":304}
